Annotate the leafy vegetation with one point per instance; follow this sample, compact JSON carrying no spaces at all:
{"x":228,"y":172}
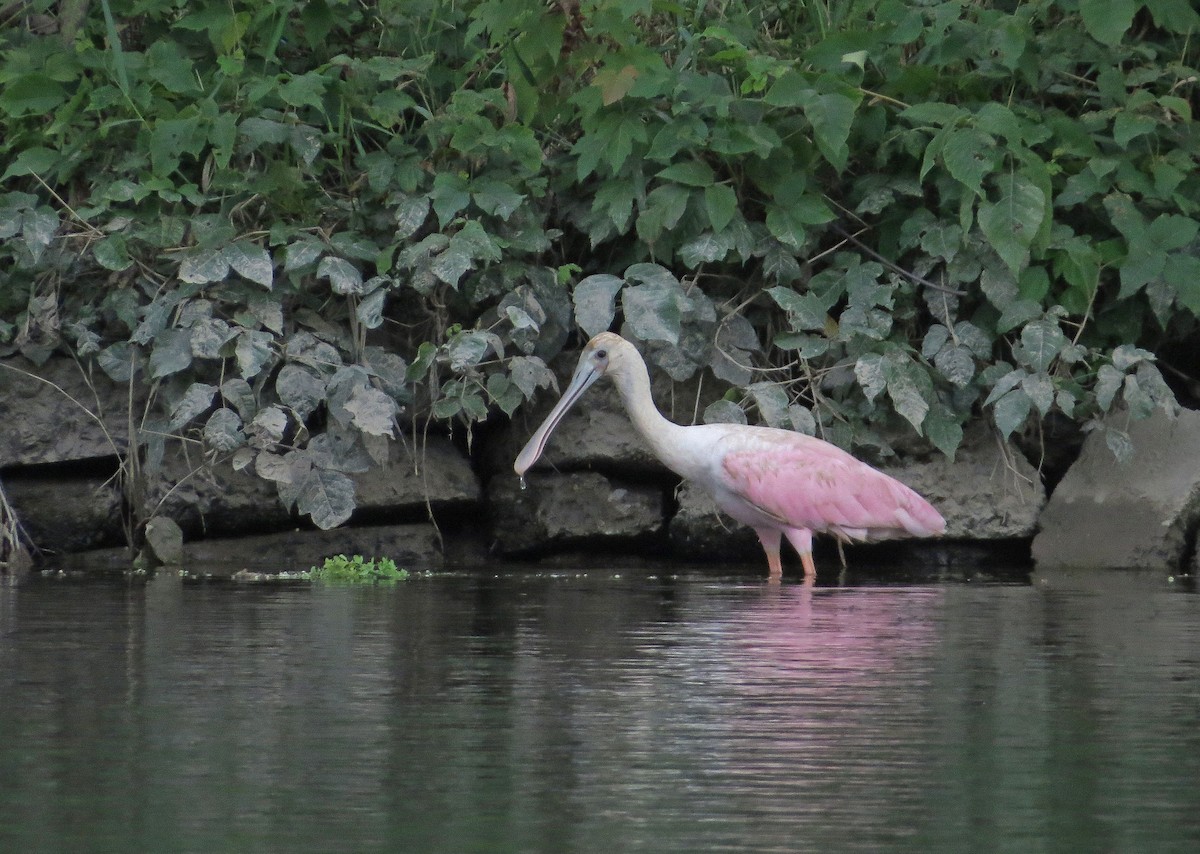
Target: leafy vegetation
{"x":356,"y":570}
{"x":302,"y":226}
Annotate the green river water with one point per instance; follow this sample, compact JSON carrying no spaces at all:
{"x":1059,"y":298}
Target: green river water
{"x":601,"y":711}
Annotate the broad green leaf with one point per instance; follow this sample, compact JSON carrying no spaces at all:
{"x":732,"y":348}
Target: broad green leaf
{"x":370,"y":310}
{"x":209,"y":335}
{"x":529,"y":373}
{"x":251,"y":261}
{"x":1108,"y":383}
{"x":327,"y":496}
{"x":724,"y":412}
{"x":1108,"y":20}
{"x":720,"y":202}
{"x":197,"y":399}
{"x":467,"y":349}
{"x":451,"y":265}
{"x":869,"y":371}
{"x":943,"y":430}
{"x":253,"y":350}
{"x":223,"y":431}
{"x":31,"y":94}
{"x":654,"y":311}
{"x":172,"y":352}
{"x":806,"y":311}
{"x":691,"y":173}
{"x":35,"y":160}
{"x":790,"y":89}
{"x":38,"y":228}
{"x":909,"y":388}
{"x":970,"y":155}
{"x":1006,"y":384}
{"x":496,"y":198}
{"x":1011,"y":223}
{"x":1011,"y":411}
{"x":1040,"y":389}
{"x":373,"y":411}
{"x":1041,"y":342}
{"x":1128,"y":126}
{"x":268,"y":427}
{"x":831,"y":116}
{"x":1139,"y":404}
{"x":1126,"y":356}
{"x":111,"y":253}
{"x":300,"y":390}
{"x":203,"y":266}
{"x":705,"y":249}
{"x":595,"y":302}
{"x":410,"y":213}
{"x":772,"y":402}
{"x":957,"y":364}
{"x":344,"y":277}
{"x":1017,"y":313}
{"x":237,"y":391}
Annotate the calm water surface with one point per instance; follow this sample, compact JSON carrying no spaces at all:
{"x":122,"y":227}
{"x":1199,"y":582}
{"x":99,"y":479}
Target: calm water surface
{"x":601,"y":711}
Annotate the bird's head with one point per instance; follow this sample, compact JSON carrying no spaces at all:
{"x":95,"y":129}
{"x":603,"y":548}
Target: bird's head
{"x":607,"y":354}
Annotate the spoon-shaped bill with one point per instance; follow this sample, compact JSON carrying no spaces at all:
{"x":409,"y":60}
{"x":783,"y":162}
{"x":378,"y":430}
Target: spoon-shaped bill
{"x":584,"y":376}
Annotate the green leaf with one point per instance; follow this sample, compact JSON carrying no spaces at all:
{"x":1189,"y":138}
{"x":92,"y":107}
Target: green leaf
{"x":300,"y":390}
{"x":909,"y":388}
{"x":970,"y":155}
{"x":806,"y":311}
{"x":831,"y":116}
{"x":654,"y":310}
{"x":1108,"y":383}
{"x":344,"y":277}
{"x":252,"y":262}
{"x":203,"y":266}
{"x":31,"y":94}
{"x":327,"y":496}
{"x":1041,"y":342}
{"x":724,"y":412}
{"x":706,"y":248}
{"x":957,"y":364}
{"x":410,"y":213}
{"x":467,"y":349}
{"x":1011,"y":223}
{"x":943,"y":430}
{"x":172,"y":352}
{"x":111,"y":253}
{"x":253,"y":349}
{"x":772,"y":402}
{"x":720,"y":202}
{"x":1182,"y":273}
{"x":1108,"y":20}
{"x":35,"y":160}
{"x":595,"y":302}
{"x":1040,"y":389}
{"x":692,"y":173}
{"x":869,"y":372}
{"x":374,"y":412}
{"x":197,"y":399}
{"x":1011,"y":411}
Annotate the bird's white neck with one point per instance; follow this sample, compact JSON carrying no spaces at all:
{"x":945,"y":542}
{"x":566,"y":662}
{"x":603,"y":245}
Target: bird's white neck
{"x":663,"y":436}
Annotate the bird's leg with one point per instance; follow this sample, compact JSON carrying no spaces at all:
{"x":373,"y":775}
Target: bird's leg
{"x":769,"y":537}
{"x":801,"y":540}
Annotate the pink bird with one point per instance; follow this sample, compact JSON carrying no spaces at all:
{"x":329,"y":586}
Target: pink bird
{"x":778,"y":482}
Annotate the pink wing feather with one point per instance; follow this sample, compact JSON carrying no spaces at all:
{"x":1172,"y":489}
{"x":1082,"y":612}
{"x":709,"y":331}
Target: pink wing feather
{"x":813,"y":485}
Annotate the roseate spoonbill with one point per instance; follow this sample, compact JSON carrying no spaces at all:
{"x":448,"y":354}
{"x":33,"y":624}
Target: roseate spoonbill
{"x":778,"y":482}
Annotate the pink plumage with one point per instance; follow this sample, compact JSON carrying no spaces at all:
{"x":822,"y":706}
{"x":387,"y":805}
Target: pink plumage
{"x":778,"y":482}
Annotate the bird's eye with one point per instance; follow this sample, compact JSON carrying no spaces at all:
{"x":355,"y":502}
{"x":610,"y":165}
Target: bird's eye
{"x":601,"y":354}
